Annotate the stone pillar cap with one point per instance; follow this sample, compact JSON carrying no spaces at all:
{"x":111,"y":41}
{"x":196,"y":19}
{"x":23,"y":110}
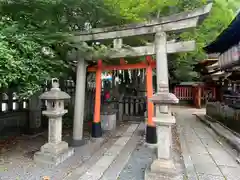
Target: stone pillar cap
{"x":165,"y":98}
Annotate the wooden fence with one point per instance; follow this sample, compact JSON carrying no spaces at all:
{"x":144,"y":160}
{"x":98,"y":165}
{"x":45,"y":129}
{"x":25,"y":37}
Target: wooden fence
{"x":186,"y":93}
{"x":134,"y":108}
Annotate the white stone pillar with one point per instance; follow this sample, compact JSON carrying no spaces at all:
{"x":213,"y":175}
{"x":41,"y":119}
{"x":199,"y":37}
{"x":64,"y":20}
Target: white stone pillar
{"x":79,"y":104}
{"x":161,"y":63}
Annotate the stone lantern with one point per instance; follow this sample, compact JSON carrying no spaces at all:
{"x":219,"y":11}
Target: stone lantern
{"x":164,"y":121}
{"x":55,"y":151}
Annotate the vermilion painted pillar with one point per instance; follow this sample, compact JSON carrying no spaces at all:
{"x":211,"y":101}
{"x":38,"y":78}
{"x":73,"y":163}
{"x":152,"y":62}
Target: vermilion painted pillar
{"x":197,"y":96}
{"x":96,"y":125}
{"x":151,"y":135}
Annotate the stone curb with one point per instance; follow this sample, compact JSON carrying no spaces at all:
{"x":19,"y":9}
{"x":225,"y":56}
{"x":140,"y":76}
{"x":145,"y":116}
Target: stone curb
{"x":215,"y":121}
{"x":235,"y":145}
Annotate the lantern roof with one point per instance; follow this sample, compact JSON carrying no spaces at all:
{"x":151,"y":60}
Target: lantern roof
{"x":55,"y":93}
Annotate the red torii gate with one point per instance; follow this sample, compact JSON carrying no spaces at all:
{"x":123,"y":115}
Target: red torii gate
{"x":149,"y":64}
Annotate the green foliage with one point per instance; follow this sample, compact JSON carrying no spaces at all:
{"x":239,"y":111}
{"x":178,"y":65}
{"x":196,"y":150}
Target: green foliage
{"x":35,"y":39}
{"x":181,"y":65}
{"x":34,"y":34}
{"x":218,"y":19}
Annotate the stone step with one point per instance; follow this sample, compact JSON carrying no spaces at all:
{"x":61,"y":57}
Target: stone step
{"x":51,"y":160}
{"x":109,"y":159}
{"x":121,"y":160}
{"x":79,"y":171}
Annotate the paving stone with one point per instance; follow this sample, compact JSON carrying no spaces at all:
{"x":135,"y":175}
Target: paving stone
{"x":94,"y":173}
{"x":119,"y":163}
{"x":202,"y":133}
{"x":194,"y":141}
{"x":105,"y":161}
{"x":114,"y":150}
{"x":209,"y":168}
{"x":217,"y":151}
{"x":221,"y":157}
{"x":131,"y":128}
{"x":122,"y":141}
{"x":210,"y":177}
{"x":141,"y":158}
{"x":231,"y":178}
{"x":191,"y":177}
{"x":98,"y":169}
{"x":211,"y":143}
{"x":225,"y":161}
{"x":202,"y":159}
{"x":204,"y":147}
{"x":231,"y":172}
{"x":197,"y":149}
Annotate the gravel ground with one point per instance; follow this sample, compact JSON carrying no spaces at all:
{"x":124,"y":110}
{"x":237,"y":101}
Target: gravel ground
{"x":16,"y":161}
{"x":143,"y":156}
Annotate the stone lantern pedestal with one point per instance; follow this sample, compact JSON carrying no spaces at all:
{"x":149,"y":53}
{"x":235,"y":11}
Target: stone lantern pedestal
{"x":55,"y":151}
{"x":164,"y":162}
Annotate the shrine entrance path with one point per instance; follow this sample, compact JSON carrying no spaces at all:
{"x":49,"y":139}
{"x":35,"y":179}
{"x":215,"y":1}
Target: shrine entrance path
{"x":206,"y":156}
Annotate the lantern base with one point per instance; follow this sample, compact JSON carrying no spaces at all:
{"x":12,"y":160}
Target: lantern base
{"x":52,"y":159}
{"x":96,"y":130}
{"x":151,"y":134}
{"x":163,"y":169}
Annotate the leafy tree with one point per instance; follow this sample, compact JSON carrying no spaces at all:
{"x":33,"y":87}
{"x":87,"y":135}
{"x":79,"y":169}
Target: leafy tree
{"x":35,"y":34}
{"x":35,"y":38}
{"x":181,"y":66}
{"x":218,"y":19}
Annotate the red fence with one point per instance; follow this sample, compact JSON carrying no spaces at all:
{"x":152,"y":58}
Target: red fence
{"x":185,"y":93}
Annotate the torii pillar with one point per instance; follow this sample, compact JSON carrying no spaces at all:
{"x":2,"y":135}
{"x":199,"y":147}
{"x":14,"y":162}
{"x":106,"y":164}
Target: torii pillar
{"x":77,"y":139}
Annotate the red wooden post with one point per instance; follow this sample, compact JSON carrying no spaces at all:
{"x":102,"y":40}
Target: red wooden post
{"x":151,"y":135}
{"x":96,"y":126}
{"x":197,"y":96}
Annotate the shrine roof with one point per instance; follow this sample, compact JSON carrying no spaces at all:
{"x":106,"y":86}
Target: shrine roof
{"x":228,"y":38}
{"x":207,"y":62}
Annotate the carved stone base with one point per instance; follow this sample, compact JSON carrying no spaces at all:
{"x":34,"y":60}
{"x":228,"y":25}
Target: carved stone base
{"x":54,"y":148}
{"x":53,"y":154}
{"x":163,"y":166}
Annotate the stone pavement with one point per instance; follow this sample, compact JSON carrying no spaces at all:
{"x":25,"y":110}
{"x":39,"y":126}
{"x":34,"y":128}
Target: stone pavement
{"x":107,"y":164}
{"x":206,"y":157}
{"x":16,"y":163}
{"x":124,"y":156}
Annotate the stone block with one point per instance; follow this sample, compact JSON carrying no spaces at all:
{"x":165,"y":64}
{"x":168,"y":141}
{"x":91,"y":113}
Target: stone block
{"x":52,"y":159}
{"x":164,"y":98}
{"x":54,"y":148}
{"x":163,"y":166}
